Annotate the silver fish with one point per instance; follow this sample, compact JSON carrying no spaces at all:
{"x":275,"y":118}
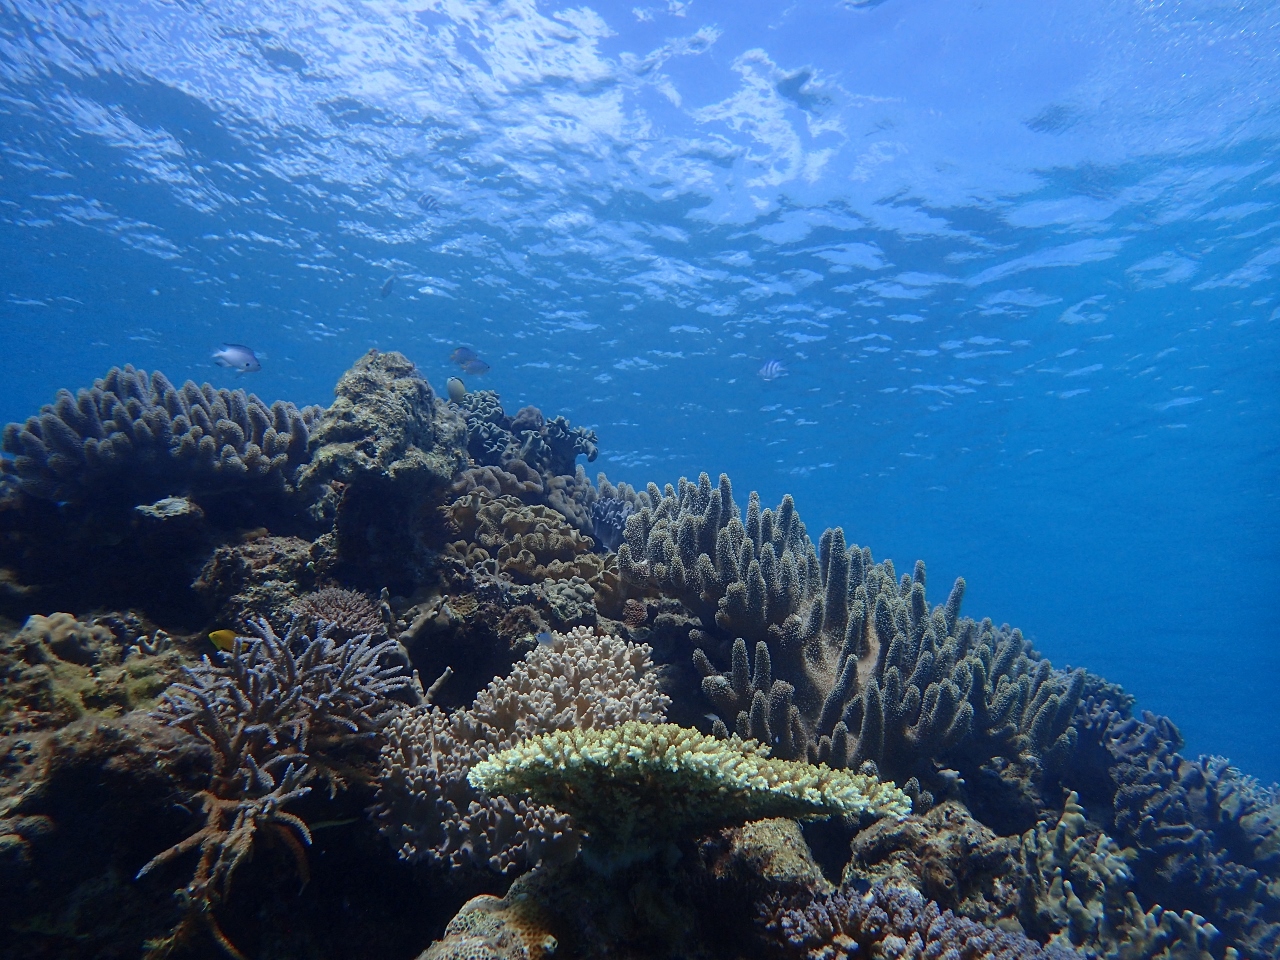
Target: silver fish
{"x":386,"y":287}
{"x":238,"y":357}
{"x":772,"y":370}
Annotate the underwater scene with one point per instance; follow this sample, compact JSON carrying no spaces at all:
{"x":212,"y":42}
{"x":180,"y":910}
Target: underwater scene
{"x":521,"y":480}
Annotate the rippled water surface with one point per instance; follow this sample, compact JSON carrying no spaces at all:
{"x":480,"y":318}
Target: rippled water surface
{"x":1018,"y":264}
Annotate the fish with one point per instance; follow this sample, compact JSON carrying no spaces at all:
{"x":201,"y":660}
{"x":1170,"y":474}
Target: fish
{"x":428,"y":203}
{"x":386,"y":287}
{"x":772,"y":370}
{"x":456,"y":388}
{"x":463,"y":355}
{"x":545,"y":638}
{"x":238,"y":357}
{"x":224,"y":640}
{"x":476,"y":367}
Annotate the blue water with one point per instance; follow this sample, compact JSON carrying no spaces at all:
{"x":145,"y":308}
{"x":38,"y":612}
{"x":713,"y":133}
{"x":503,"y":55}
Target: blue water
{"x":1019,"y":262}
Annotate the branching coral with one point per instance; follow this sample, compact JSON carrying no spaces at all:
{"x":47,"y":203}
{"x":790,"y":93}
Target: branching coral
{"x":639,"y":785}
{"x":350,"y":613}
{"x":260,"y":710}
{"x":140,"y":432}
{"x":849,"y":664}
{"x":1205,"y":835}
{"x":431,"y":812}
{"x":1079,"y":891}
{"x":891,"y":922}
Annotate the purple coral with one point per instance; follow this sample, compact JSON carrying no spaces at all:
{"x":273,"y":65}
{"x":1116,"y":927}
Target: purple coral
{"x":892,"y":922}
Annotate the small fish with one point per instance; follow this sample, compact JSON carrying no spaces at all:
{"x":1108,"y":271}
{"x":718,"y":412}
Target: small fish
{"x":456,"y":388}
{"x":238,"y":357}
{"x":224,"y":640}
{"x":772,"y":370}
{"x":475,"y":367}
{"x":428,"y":203}
{"x":545,"y":638}
{"x":463,"y":355}
{"x":386,"y":287}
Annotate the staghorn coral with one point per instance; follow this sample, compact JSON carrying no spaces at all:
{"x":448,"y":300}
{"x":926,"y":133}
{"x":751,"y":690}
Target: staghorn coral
{"x":276,"y":713}
{"x":847,"y":664}
{"x":639,"y":785}
{"x":1078,"y":891}
{"x":890,"y":922}
{"x":430,"y":811}
{"x":136,"y":434}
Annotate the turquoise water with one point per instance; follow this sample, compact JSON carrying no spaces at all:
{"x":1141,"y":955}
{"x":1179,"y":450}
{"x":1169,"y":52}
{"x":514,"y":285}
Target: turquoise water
{"x":1018,"y":262}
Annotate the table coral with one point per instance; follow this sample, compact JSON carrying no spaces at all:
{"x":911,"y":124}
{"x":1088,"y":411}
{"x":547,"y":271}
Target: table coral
{"x":429,"y":809}
{"x":634,"y":787}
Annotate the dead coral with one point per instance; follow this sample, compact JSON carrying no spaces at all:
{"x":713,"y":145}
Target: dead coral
{"x":430,"y":812}
{"x":58,"y":669}
{"x":260,"y":578}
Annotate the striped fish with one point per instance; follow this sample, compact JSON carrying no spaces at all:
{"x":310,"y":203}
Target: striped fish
{"x":772,"y":370}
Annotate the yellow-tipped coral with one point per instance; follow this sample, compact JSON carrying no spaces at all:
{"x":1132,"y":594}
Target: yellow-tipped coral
{"x":637,"y":786}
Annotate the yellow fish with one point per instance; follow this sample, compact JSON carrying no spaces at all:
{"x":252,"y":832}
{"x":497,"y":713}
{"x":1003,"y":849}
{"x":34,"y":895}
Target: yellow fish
{"x":224,"y":640}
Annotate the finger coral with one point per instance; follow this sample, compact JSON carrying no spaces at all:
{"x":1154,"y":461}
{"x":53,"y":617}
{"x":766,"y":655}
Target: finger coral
{"x":833,"y":658}
{"x":135,"y":431}
{"x":638,"y":785}
{"x":429,"y":809}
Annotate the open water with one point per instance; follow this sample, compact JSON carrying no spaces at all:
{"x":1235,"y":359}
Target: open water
{"x":1018,"y":263}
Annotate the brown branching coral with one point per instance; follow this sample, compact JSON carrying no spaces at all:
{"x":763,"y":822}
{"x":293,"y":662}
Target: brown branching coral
{"x":260,"y":711}
{"x":426,"y":806}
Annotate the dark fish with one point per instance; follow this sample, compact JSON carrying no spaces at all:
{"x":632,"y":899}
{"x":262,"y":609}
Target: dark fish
{"x":386,"y":287}
{"x":463,"y":355}
{"x":428,"y":203}
{"x":772,"y":370}
{"x":476,"y":367}
{"x":238,"y":357}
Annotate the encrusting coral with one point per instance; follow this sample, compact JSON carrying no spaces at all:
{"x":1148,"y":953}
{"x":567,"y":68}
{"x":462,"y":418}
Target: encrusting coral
{"x":636,"y":786}
{"x":276,"y":712}
{"x":427,"y":807}
{"x":138,"y":431}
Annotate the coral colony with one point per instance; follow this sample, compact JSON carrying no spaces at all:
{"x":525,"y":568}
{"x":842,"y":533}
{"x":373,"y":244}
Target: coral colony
{"x":654,"y":724}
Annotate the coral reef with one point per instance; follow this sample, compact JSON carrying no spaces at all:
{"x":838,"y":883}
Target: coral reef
{"x":138,"y":433}
{"x":892,"y":922}
{"x":258,"y":578}
{"x":275,"y":714}
{"x":639,"y":785}
{"x":429,"y":809}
